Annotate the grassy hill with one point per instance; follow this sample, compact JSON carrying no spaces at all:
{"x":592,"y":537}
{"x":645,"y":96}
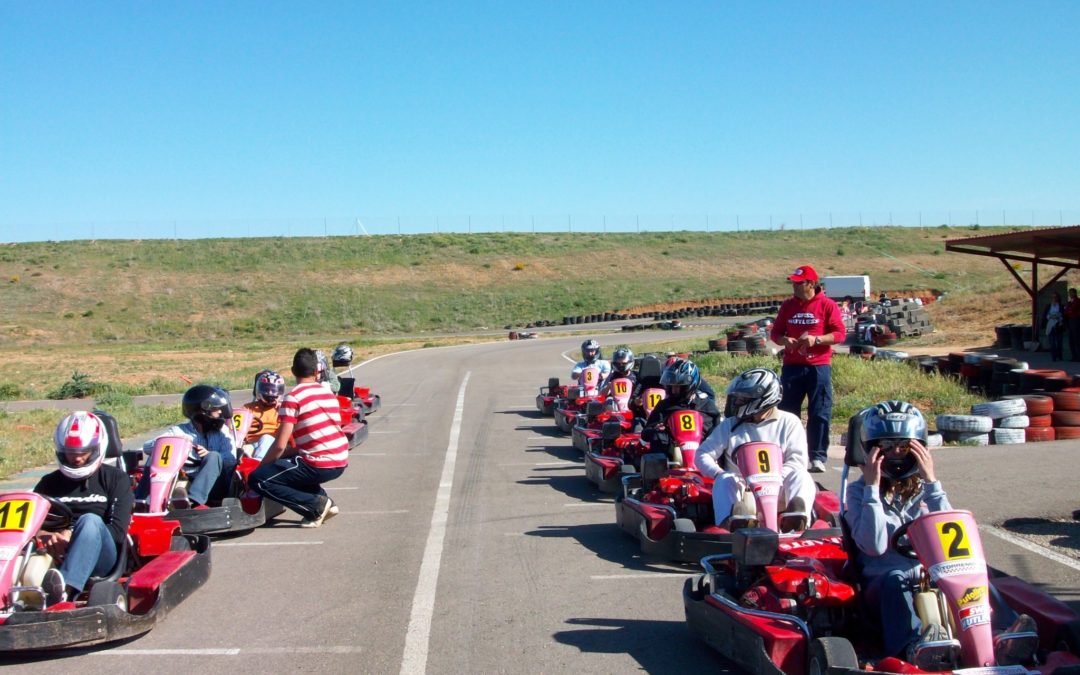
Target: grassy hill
{"x":133,"y":301}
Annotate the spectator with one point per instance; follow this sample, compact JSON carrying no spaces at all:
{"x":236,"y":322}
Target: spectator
{"x":1054,"y":324}
{"x":807,"y":326}
{"x":1072,"y":319}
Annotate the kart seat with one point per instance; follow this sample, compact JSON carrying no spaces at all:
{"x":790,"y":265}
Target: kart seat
{"x":654,"y":466}
{"x":649,"y":370}
{"x":553,"y":383}
{"x":347,"y":387}
{"x":593,"y":409}
{"x":114,"y":451}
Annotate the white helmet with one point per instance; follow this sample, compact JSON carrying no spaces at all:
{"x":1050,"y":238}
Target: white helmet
{"x":753,"y":391}
{"x":78,"y":434}
{"x":342,"y":355}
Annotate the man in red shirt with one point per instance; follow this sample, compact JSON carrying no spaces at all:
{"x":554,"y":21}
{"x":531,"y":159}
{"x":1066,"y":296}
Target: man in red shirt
{"x":806,"y":326}
{"x":308,"y":415}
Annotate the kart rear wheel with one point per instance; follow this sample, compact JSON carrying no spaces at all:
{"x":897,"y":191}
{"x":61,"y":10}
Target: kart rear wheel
{"x":831,"y":655}
{"x":107,"y":593}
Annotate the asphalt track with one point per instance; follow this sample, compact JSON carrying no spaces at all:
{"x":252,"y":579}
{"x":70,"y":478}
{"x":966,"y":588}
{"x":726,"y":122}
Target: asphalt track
{"x":470,"y":541}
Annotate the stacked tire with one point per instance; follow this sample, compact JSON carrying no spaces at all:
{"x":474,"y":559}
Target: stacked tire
{"x":1065,"y":417}
{"x":1040,"y":410}
{"x":965,"y":429}
{"x":1010,"y":420}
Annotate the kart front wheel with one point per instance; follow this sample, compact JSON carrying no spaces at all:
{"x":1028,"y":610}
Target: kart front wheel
{"x":107,"y":593}
{"x":831,"y":655}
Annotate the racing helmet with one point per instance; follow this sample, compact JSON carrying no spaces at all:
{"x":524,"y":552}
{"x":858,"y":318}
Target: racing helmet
{"x":322,"y":371}
{"x":894,"y":420}
{"x":590,"y":351}
{"x":622,"y":361}
{"x":681,"y":379}
{"x":203,"y":399}
{"x":80,"y":433}
{"x":752,"y":392}
{"x":269,"y":387}
{"x":342,"y":355}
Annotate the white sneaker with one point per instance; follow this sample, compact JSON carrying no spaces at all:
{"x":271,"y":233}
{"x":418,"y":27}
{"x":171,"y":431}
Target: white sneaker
{"x":53,"y":585}
{"x":817,"y":466}
{"x":312,"y":523}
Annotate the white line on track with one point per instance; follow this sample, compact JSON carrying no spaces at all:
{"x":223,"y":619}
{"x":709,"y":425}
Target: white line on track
{"x":566,"y":356}
{"x":266,"y":543}
{"x":540,"y":438}
{"x":230,"y":651}
{"x":645,"y":575}
{"x":417,"y":639}
{"x":1034,"y":548}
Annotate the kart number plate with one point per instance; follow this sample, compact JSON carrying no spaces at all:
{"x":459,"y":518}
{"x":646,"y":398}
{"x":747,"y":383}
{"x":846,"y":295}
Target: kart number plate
{"x":955,"y":544}
{"x":16,"y":515}
{"x":237,"y":421}
{"x":166,"y":454}
{"x":655,"y":399}
{"x":687,"y":422}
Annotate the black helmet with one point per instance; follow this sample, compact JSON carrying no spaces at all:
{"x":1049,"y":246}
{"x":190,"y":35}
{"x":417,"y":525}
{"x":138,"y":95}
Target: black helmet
{"x":752,"y":392}
{"x":201,"y":400}
{"x":681,"y":380}
{"x":894,"y":420}
{"x":622,"y":361}
{"x":590,"y":350}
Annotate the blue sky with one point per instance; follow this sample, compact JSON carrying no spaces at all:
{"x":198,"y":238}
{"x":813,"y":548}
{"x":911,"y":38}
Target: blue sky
{"x":207,"y":112}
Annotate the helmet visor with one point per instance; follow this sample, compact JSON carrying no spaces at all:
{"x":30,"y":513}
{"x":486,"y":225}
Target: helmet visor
{"x":79,"y":457}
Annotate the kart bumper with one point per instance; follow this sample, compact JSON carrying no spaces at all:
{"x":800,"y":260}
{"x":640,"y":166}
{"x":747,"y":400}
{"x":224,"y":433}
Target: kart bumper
{"x":356,"y":432}
{"x":604,"y":472}
{"x":371,"y":403}
{"x":35,"y":631}
{"x":545,"y":404}
{"x":564,"y":419}
{"x":229,"y":517}
{"x":658,"y":537}
{"x":581,"y":437}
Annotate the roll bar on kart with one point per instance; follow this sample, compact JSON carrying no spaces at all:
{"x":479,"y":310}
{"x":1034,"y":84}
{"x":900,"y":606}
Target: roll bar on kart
{"x":710,"y":571}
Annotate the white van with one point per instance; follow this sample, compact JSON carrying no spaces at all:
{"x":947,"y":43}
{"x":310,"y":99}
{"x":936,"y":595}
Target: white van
{"x":838,"y":288}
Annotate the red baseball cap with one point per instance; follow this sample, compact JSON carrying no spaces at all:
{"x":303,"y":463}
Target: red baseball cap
{"x":803,"y":273}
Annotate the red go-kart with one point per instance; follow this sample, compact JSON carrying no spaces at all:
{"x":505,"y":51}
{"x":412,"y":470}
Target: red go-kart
{"x":360,"y":397}
{"x":587,"y":427}
{"x":545,"y":400}
{"x":155,"y":570}
{"x":577,"y":398}
{"x":611,"y":456}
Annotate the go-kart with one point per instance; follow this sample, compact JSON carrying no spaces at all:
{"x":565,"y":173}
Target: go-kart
{"x":241,"y":511}
{"x":670,"y":510}
{"x":155,"y":570}
{"x":587,"y":427}
{"x":354,"y":422}
{"x":776,"y":605}
{"x":359,"y":396}
{"x":577,"y":398}
{"x":612,"y":455}
{"x":545,"y":400}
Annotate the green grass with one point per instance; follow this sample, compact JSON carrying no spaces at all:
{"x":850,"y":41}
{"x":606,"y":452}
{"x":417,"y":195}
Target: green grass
{"x":26,"y":436}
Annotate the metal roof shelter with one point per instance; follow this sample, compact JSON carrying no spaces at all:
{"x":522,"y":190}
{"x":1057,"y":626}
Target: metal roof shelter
{"x":1055,"y":246}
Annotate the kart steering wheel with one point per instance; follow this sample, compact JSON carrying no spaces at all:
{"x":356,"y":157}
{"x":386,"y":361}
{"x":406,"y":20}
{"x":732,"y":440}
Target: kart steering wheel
{"x":60,"y":516}
{"x":904,"y":547}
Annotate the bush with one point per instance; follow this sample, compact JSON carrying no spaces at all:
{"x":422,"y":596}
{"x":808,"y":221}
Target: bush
{"x":10,"y":391}
{"x":79,"y":386}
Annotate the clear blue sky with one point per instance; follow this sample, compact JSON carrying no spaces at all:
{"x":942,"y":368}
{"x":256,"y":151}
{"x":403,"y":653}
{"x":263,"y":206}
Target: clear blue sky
{"x":162,"y":111}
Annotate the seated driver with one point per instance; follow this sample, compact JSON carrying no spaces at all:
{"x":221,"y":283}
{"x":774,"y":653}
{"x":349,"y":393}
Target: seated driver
{"x":266,"y":395}
{"x":682,"y":382}
{"x":213,"y":459}
{"x":100,"y":497}
{"x":590,"y":356}
{"x":326,"y":374}
{"x":622,"y":367}
{"x":752,"y":398}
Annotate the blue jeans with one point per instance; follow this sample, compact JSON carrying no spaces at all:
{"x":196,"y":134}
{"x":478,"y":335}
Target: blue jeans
{"x":92,"y":551}
{"x":892,"y":594}
{"x":295,"y":484}
{"x":813,"y":383}
{"x":210,"y":482}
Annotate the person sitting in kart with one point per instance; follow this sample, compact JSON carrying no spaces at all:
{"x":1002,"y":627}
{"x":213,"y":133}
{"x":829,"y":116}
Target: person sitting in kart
{"x":213,"y":451}
{"x":590,"y":356}
{"x":326,"y":374}
{"x":342,"y":356}
{"x":100,"y":497}
{"x":682,"y":382}
{"x":309,"y":416}
{"x":704,"y":387}
{"x":752,"y":398}
{"x":266,"y":395}
{"x":622,"y":366}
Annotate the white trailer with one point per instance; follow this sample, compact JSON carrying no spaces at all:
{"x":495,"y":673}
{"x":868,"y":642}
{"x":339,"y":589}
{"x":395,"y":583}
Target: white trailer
{"x":838,"y":288}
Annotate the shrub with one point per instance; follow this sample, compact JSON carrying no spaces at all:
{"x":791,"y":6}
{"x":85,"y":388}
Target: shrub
{"x":79,"y":386}
{"x":10,"y":391}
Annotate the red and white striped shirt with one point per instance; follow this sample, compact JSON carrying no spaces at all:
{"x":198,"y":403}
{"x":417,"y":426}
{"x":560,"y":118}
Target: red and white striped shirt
{"x":315,"y":412}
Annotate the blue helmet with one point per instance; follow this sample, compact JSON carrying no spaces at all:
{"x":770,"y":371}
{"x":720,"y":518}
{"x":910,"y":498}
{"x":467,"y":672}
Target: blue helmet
{"x":894,"y":421}
{"x":681,"y":379}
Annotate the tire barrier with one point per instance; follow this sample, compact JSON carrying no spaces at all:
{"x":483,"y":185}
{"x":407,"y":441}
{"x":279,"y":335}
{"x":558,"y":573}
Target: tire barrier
{"x":1067,"y":399}
{"x":1038,"y":434}
{"x":1014,"y":422}
{"x":999,"y":409}
{"x":967,"y":437}
{"x":1003,"y":436}
{"x":976,"y":424}
{"x":1065,"y":418}
{"x":1041,"y":421}
{"x":1036,"y":404}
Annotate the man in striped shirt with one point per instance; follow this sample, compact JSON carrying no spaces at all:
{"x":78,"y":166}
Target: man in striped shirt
{"x":292,"y":475}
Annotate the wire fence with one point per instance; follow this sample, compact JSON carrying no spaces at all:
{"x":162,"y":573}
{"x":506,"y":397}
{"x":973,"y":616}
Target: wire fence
{"x":488,"y":223}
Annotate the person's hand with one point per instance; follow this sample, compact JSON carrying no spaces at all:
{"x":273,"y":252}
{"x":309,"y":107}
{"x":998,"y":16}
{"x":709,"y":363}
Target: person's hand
{"x":805,"y":341}
{"x":871,"y":471}
{"x":925,"y":460}
{"x":55,"y":543}
{"x":201,"y":451}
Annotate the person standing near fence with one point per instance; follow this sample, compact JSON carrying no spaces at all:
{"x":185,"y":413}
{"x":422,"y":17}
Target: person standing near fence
{"x":807,"y":326}
{"x":1072,"y":318}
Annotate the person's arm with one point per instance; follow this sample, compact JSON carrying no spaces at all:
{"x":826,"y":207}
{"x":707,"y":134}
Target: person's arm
{"x":707,"y":458}
{"x":121,"y":502}
{"x":863,"y":510}
{"x":281,"y":440}
{"x":796,"y":453}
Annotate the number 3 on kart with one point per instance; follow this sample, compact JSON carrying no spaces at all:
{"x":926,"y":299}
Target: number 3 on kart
{"x":954,"y":540}
{"x":15,"y":514}
{"x":686,"y":422}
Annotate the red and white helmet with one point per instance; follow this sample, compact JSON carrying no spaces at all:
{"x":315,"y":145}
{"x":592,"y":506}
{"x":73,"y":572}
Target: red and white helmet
{"x":80,"y":433}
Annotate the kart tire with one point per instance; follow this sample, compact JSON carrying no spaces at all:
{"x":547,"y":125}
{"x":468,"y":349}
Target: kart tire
{"x":967,"y":423}
{"x":831,"y":655}
{"x":1008,"y":436}
{"x":1036,"y":404}
{"x":684,"y":525}
{"x":998,"y":409}
{"x":105,"y":593}
{"x":1014,"y":422}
